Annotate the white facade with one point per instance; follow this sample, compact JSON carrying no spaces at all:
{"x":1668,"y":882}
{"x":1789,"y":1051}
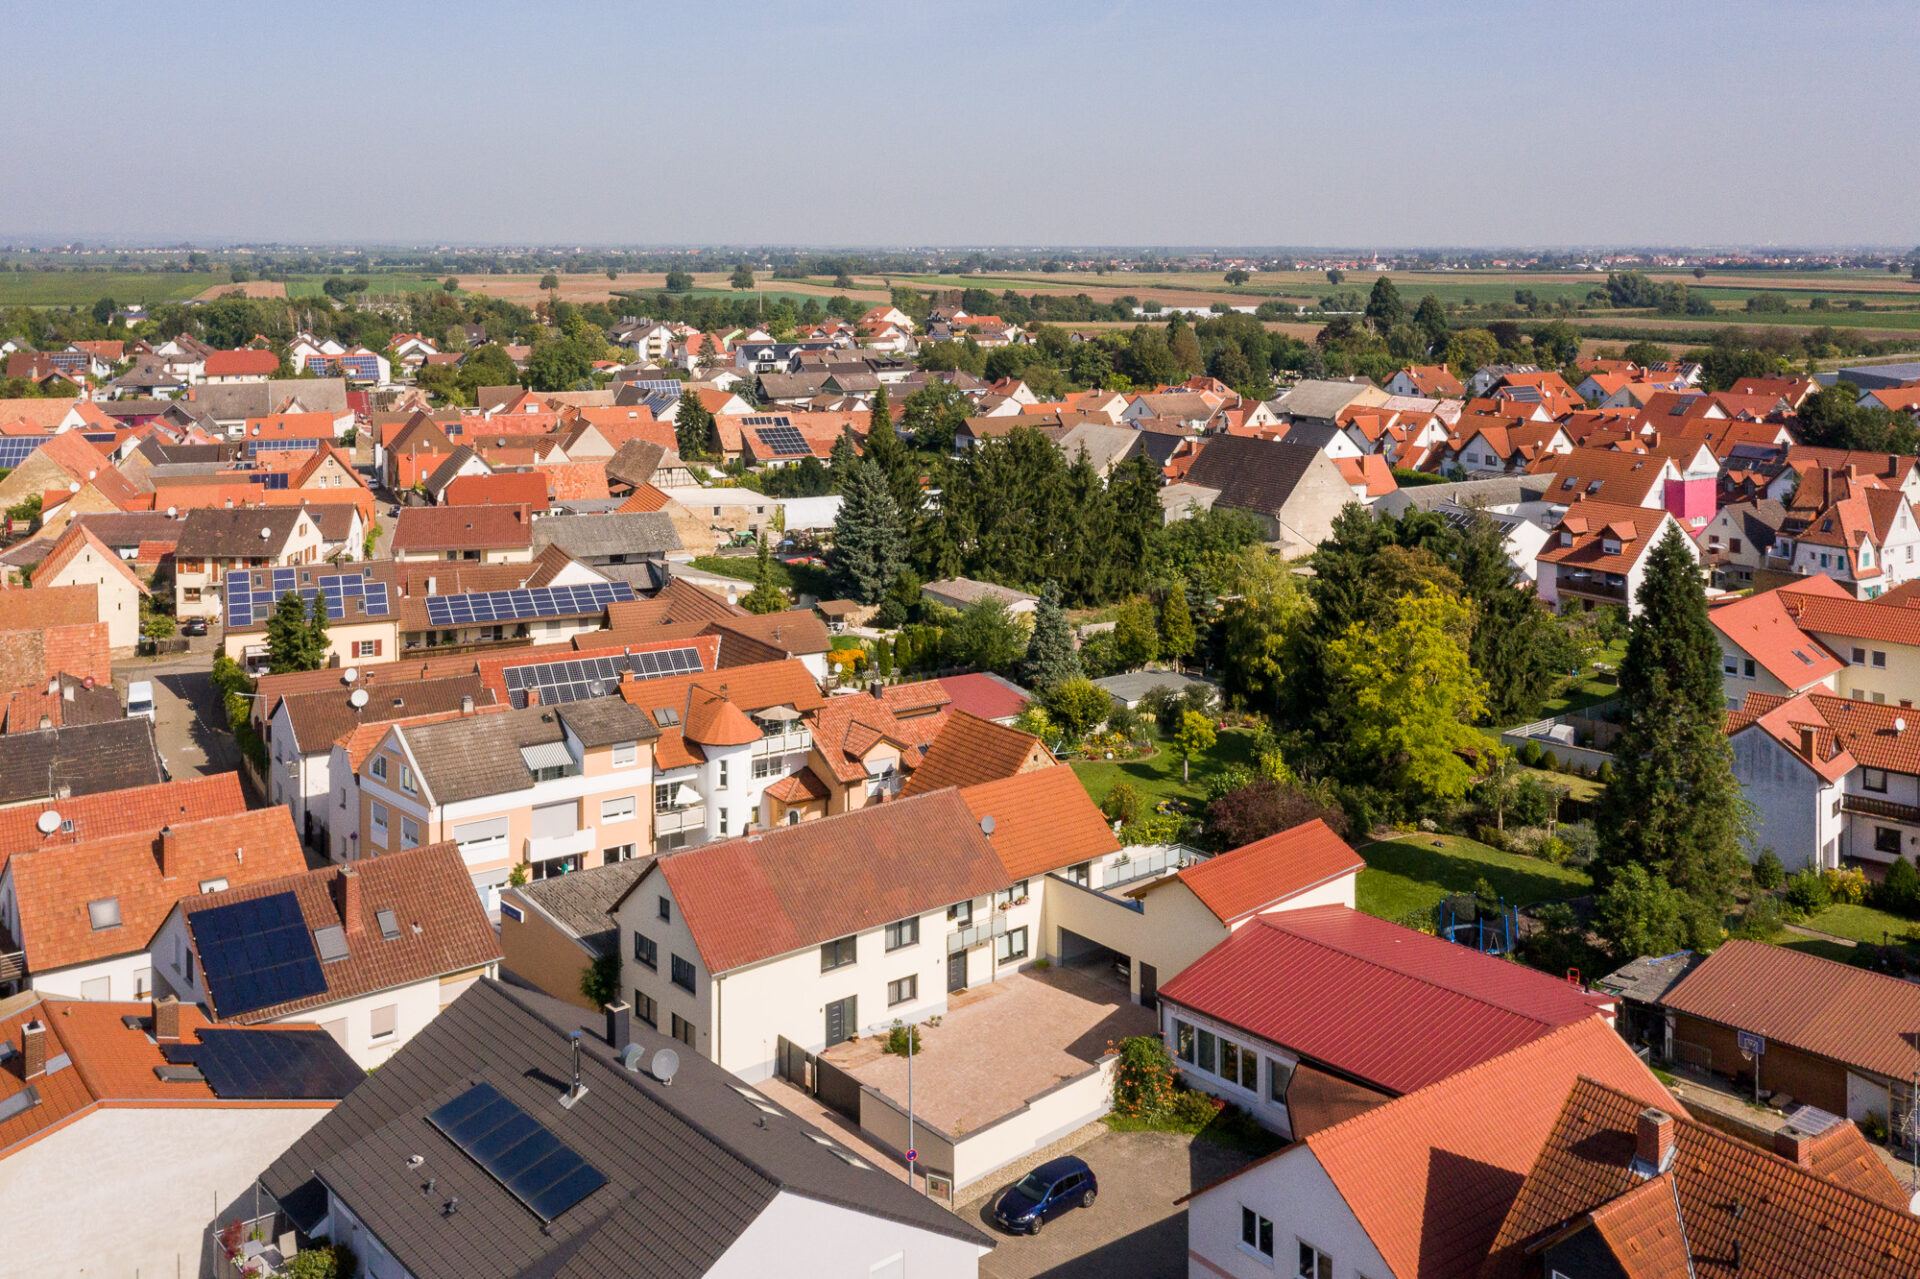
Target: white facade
{"x":1299,"y":1203}
{"x":1796,"y":812}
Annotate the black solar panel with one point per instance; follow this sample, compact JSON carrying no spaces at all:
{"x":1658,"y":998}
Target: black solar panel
{"x":783,"y":441}
{"x":270,"y":1065}
{"x":257,"y":954}
{"x":252,"y":596}
{"x":521,"y":605}
{"x":15,"y":449}
{"x":594,"y":676}
{"x":516,"y":1150}
{"x":282,"y":446}
{"x":767,"y":419}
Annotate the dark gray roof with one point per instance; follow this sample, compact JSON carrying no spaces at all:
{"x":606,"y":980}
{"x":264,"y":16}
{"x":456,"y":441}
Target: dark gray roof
{"x":1499,"y":490}
{"x":1760,"y":520}
{"x":591,"y":537}
{"x":603,"y":721}
{"x":449,"y":470}
{"x":320,"y":718}
{"x":1254,"y":475}
{"x":467,"y":758}
{"x":1647,"y":980}
{"x":83,"y":759}
{"x":689,"y":1167}
{"x":233,"y":401}
{"x":210,"y":532}
{"x":581,"y":901}
{"x":1878,"y":377}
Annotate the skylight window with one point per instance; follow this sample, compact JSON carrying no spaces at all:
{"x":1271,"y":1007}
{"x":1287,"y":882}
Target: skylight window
{"x":389,"y":924}
{"x":104,"y":914}
{"x":666,"y":717}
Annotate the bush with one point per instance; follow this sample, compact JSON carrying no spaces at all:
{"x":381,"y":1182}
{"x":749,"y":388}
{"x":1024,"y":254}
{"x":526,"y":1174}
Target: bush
{"x":1195,"y":1109}
{"x":1123,"y":804}
{"x":1143,"y":1078}
{"x":1491,"y":836}
{"x":324,"y":1262}
{"x":1550,"y":761}
{"x":1807,"y":892}
{"x":1161,"y":704}
{"x":600,"y":980}
{"x":1581,"y":840}
{"x":1761,"y":920}
{"x":1845,"y":887}
{"x":1529,"y":754}
{"x":1604,"y":774}
{"x":1125,"y":722}
{"x":902,"y":1037}
{"x":1768,"y":873}
{"x":1900,"y":893}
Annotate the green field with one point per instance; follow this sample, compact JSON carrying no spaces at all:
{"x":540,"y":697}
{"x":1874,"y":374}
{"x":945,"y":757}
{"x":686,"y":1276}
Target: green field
{"x":1413,"y":872}
{"x":1158,"y":777}
{"x":807,"y":579}
{"x":309,"y":286}
{"x":83,"y":288}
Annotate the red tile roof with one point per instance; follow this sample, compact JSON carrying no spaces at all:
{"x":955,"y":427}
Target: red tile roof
{"x":120,"y":812}
{"x":461,"y":528}
{"x":1042,"y":820}
{"x":764,"y":895}
{"x":968,"y":751}
{"x":846,"y":728}
{"x":1378,"y":1002}
{"x":1847,"y":731}
{"x":1765,"y":629}
{"x":244,"y":363}
{"x":1260,"y":875}
{"x":1591,"y":524}
{"x":504,"y":488}
{"x":1863,"y":1019}
{"x":984,"y":696}
{"x":43,"y":607}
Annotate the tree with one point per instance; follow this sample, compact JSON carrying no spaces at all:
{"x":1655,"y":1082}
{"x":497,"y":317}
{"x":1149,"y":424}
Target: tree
{"x":869,"y":537}
{"x":1177,"y":636}
{"x":679,"y":282}
{"x":1645,"y":353}
{"x":1077,"y":705}
{"x":987,"y":637}
{"x":558,"y":364}
{"x":1136,"y":639}
{"x":1335,"y":277}
{"x":1238,"y":275}
{"x":1259,"y":623}
{"x":1431,"y":319}
{"x":1642,"y":914}
{"x":550,"y":285}
{"x":1195,"y":737}
{"x":318,"y":643}
{"x":1500,"y":785}
{"x":1384,"y":307}
{"x":290,"y":636}
{"x":1050,"y":658}
{"x":742,"y":277}
{"x":1409,"y":690}
{"x":1674,"y":808}
{"x":450,"y":285}
{"x":1184,"y":347}
{"x":613,"y":273}
{"x":600,"y":980}
{"x":1263,"y":807}
{"x":766,"y":595}
{"x":103,"y":311}
{"x":692,"y":427}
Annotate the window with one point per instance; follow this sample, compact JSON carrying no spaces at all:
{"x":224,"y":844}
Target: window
{"x":663,"y":796}
{"x":379,"y":767}
{"x":618,"y":853}
{"x":1008,"y":896}
{"x":142,"y":982}
{"x":385,"y":1021}
{"x":213,"y":885}
{"x":905,"y":932}
{"x":1256,"y":1233}
{"x":645,"y":1009}
{"x":1886,"y":839}
{"x":766,"y":766}
{"x":666,"y":910}
{"x":1859,"y":656}
{"x":683,"y":974}
{"x":1874,"y":779}
{"x":1879,"y":659}
{"x":837,"y":954}
{"x":1279,"y":1075}
{"x":378,"y":815}
{"x":722,"y":774}
{"x":1748,"y":668}
{"x":720,"y":820}
{"x":1733,"y":544}
{"x":555,"y":867}
{"x":1010,"y":945}
{"x":1729,"y":664}
{"x":1314,"y":1264}
{"x":961,"y":913}
{"x":1183,"y":1041}
{"x":683,"y":1030}
{"x":366,"y":648}
{"x":1081,"y":874}
{"x":646,"y":951}
{"x":409,"y":833}
{"x":104,"y":913}
{"x":625,"y":753}
{"x":1203,"y":1058}
{"x":618,"y":810}
{"x":899,"y":992}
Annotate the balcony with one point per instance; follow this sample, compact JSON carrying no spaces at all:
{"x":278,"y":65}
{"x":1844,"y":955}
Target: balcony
{"x":1885,"y":809}
{"x":671,"y":821}
{"x":1589,"y":586}
{"x":792,"y":742}
{"x":976,"y":934}
{"x":542,"y":847}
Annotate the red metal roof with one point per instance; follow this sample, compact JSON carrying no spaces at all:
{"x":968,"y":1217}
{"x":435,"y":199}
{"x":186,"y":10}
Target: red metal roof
{"x":1382,"y":1003}
{"x":984,"y":696}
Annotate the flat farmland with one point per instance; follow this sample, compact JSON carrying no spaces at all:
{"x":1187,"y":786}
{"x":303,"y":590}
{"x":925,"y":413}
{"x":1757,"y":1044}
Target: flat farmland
{"x":596,"y":287}
{"x":83,"y":288}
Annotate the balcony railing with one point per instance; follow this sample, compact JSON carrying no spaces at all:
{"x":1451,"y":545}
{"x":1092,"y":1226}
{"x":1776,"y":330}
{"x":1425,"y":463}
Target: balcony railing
{"x":669,"y":821}
{"x":542,"y":847}
{"x":976,"y":934}
{"x":791,"y":742}
{"x":1587,"y":584}
{"x":1868,"y":806}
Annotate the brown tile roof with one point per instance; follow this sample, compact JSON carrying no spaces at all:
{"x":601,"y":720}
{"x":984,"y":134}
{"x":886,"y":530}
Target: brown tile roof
{"x":321,"y":718}
{"x":1042,"y":820}
{"x":798,"y":788}
{"x":1262,"y":874}
{"x":1846,"y":1014}
{"x":968,"y":751}
{"x":847,"y":727}
{"x":1792,"y":1220}
{"x":712,"y":720}
{"x":750,"y":688}
{"x":794,"y":631}
{"x":443,"y":928}
{"x":147,"y":873}
{"x":680,"y":609}
{"x":461,"y":528}
{"x":1764,"y":627}
{"x":506,"y":488}
{"x":119,"y":812}
{"x":1592,"y":523}
{"x":79,"y":759}
{"x":760,"y":896}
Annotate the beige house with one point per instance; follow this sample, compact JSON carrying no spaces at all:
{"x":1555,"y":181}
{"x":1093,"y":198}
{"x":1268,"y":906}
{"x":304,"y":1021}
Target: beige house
{"x":1293,"y":490}
{"x":216,"y":542}
{"x":81,"y":559}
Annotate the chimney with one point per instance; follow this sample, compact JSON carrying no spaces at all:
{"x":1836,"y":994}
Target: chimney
{"x":169,"y":851}
{"x":33,"y":1050}
{"x":1653,"y":1139}
{"x":348,"y":885}
{"x":166,"y":1019}
{"x":876,"y":688}
{"x":619,"y":1026}
{"x":466,"y":705}
{"x":1795,"y":1145}
{"x":46,"y":720}
{"x":1806,"y":740}
{"x":53,"y":685}
{"x":533,"y":697}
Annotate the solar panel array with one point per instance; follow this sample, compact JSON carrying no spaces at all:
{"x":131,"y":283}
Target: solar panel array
{"x":257,"y":954}
{"x":282,"y":446}
{"x":767,"y":419}
{"x":269,"y":1065}
{"x":251,"y":596}
{"x":98,"y":437}
{"x":784,"y":441}
{"x":15,"y":449}
{"x":513,"y":606}
{"x":516,"y":1150}
{"x":269,"y":479}
{"x":586,"y":677}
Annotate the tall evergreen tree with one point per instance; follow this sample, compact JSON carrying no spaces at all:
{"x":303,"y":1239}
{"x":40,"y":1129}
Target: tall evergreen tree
{"x":766,"y":595}
{"x":869,"y":538}
{"x":1674,"y":806}
{"x":1051,"y":659}
{"x":317,"y":640}
{"x":290,"y":636}
{"x":1177,"y":635}
{"x":1431,"y":319}
{"x":1184,"y":347}
{"x":692,"y":427}
{"x":1384,"y":307}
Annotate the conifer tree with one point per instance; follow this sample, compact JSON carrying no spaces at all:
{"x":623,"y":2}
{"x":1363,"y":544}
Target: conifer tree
{"x":869,"y":537}
{"x":1051,"y":659}
{"x":766,"y":595}
{"x":692,"y":427}
{"x":1177,"y":636}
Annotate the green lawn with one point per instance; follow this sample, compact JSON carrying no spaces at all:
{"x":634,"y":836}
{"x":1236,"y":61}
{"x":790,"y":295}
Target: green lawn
{"x":1588,"y":687}
{"x":1158,"y":777}
{"x":1413,"y":872}
{"x":83,"y":288}
{"x":1838,"y":952}
{"x":808,"y":579}
{"x":1859,"y":923}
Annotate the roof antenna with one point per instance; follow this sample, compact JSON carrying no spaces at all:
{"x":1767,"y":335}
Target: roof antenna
{"x":569,"y":1098}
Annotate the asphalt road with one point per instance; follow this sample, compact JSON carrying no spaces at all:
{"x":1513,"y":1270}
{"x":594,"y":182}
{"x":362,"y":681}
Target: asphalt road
{"x":189,"y":723}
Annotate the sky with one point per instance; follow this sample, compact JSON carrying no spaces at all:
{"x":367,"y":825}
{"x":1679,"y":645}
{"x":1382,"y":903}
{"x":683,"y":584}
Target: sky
{"x":1389,"y":123}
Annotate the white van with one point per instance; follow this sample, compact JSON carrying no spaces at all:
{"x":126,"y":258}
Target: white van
{"x":140,"y":700}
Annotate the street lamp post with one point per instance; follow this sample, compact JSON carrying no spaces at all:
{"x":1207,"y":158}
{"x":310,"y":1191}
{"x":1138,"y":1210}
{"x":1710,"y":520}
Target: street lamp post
{"x":886,"y":1028}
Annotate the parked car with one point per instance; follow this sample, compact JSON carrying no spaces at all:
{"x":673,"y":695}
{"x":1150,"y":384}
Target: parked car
{"x":140,"y":700}
{"x":1046,"y":1192}
{"x":194,"y":626}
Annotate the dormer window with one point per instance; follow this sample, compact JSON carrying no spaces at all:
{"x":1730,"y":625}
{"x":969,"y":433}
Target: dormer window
{"x":1566,"y":538}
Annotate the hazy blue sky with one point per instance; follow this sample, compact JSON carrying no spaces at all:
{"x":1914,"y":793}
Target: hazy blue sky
{"x":1502,"y":122}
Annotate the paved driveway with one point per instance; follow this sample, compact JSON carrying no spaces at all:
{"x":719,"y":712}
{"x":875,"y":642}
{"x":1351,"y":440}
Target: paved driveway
{"x":1133,"y":1230}
{"x":189,"y":725}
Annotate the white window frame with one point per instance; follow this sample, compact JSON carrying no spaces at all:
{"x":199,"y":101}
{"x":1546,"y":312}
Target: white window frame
{"x":409,"y":832}
{"x":620,"y":808}
{"x":374,"y":1033}
{"x":379,"y":767}
{"x":625,"y":754}
{"x":377,"y":823}
{"x":1260,"y":1226}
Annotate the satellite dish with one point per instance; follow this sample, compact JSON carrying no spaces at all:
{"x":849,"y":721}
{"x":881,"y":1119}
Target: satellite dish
{"x":666,"y":1064}
{"x":631,"y":1055}
{"x":173,"y":512}
{"x":986,"y":824}
{"x":265,"y":534}
{"x":48,"y":822}
{"x":349,"y":675}
{"x":357,"y":698}
{"x":1900,"y":725}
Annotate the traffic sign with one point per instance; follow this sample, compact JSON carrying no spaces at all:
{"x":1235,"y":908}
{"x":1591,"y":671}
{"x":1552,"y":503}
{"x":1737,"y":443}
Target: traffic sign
{"x":912,"y":1155}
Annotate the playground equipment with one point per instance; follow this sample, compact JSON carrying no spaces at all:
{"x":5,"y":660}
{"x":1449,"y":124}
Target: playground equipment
{"x":1492,"y":928}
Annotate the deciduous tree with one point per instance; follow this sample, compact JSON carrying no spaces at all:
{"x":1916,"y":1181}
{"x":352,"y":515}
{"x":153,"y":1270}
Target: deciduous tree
{"x":1196,"y":737}
{"x":1136,"y":639}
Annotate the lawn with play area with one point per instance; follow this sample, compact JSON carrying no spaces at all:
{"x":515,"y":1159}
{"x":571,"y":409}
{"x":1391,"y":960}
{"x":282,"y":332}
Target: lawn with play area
{"x":1411,"y":873}
{"x":1157,"y":777}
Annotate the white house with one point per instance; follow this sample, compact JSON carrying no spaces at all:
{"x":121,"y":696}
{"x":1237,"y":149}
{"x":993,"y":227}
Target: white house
{"x":1597,"y":554}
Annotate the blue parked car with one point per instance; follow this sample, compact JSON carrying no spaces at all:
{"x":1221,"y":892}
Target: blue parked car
{"x":1047,"y":1191}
